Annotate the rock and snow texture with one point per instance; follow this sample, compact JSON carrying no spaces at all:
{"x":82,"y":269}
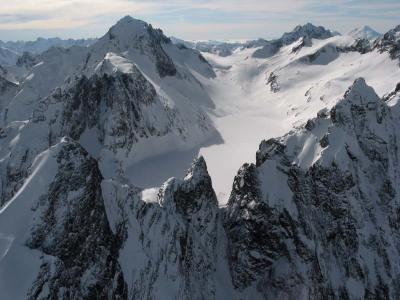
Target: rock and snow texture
{"x":55,"y":238}
{"x":129,"y":96}
{"x":171,"y":236}
{"x":259,"y":98}
{"x":313,"y":215}
{"x":390,"y":42}
{"x":317,"y":216}
{"x":305,"y":32}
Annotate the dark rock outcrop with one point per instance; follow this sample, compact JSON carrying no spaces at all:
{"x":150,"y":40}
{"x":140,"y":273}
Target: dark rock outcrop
{"x":71,"y":226}
{"x":327,"y":227}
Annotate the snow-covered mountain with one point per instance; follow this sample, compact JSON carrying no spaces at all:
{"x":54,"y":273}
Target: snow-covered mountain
{"x":91,"y":137}
{"x":129,"y":96}
{"x":390,"y":42}
{"x":42,"y":44}
{"x":312,"y":219}
{"x":365,"y":32}
{"x":305,"y":32}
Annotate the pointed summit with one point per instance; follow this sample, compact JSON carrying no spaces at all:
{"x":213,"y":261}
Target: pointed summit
{"x":128,"y":27}
{"x":128,"y":31}
{"x":361,"y":93}
{"x":135,"y":37}
{"x":198,"y":170}
{"x":365,"y":32}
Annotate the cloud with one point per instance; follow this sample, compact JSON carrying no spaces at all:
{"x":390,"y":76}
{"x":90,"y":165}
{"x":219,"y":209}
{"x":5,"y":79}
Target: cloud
{"x":31,"y":14}
{"x":192,"y":18}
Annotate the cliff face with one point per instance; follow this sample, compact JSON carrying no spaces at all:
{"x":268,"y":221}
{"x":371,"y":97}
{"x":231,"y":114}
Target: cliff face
{"x":390,"y":42}
{"x":317,"y":216}
{"x":58,"y":220}
{"x":171,"y":236}
{"x":71,"y":226}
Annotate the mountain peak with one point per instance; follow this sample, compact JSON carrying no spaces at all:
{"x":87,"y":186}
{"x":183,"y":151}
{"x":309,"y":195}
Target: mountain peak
{"x":128,"y":26}
{"x":366,"y":27}
{"x":364,"y":32}
{"x":130,"y":20}
{"x":307,"y":30}
{"x":308,"y":25}
{"x":361,"y":93}
{"x":129,"y":30}
{"x":198,"y":169}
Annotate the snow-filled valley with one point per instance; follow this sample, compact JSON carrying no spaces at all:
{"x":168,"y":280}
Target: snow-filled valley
{"x":135,"y":166}
{"x":247,"y":110}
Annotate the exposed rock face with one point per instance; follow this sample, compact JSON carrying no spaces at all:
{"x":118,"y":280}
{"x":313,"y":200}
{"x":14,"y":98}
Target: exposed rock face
{"x":308,"y":30}
{"x":318,"y":221}
{"x":273,"y":82}
{"x":71,"y":227}
{"x":112,"y":104}
{"x":26,"y":60}
{"x":390,"y":42}
{"x":8,"y":90}
{"x":130,"y":33}
{"x":303,"y":33}
{"x":173,"y":236}
{"x":316,"y":217}
{"x":361,"y":45}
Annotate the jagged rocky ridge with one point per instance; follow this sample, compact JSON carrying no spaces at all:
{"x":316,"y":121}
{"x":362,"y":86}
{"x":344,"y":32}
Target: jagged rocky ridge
{"x":173,"y":236}
{"x":305,"y":32}
{"x":70,"y":225}
{"x":311,"y":219}
{"x":317,"y":215}
{"x":390,"y":42}
{"x":387,"y":43}
{"x":268,"y":48}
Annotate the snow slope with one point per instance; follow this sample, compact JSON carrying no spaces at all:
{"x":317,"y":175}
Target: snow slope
{"x":258,"y":98}
{"x":365,"y":32}
{"x":308,"y":81}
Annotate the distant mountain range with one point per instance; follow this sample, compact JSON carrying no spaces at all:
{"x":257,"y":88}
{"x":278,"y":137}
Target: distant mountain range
{"x":308,"y":31}
{"x":42,"y":44}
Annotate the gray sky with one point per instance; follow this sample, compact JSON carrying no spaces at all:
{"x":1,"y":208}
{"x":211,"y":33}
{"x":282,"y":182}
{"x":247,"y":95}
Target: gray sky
{"x":191,"y":19}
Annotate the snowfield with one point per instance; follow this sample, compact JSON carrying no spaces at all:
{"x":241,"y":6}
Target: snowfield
{"x":247,"y":111}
